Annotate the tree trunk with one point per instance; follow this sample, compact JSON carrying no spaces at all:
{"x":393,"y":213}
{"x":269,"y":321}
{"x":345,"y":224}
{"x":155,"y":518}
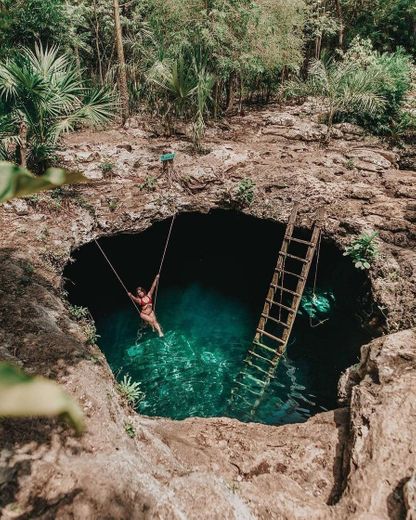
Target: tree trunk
{"x":216,"y":99}
{"x":240,"y":95}
{"x":341,"y":24}
{"x":23,"y":143}
{"x":122,"y":73}
{"x":230,"y":93}
{"x":97,"y":45}
{"x":318,"y":43}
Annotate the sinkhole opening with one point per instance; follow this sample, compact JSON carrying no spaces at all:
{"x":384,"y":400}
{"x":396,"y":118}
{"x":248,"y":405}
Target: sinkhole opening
{"x":214,"y":281}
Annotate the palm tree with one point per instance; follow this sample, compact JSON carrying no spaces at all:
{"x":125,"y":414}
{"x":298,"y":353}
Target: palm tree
{"x":343,"y":87}
{"x":176,"y":85}
{"x":41,"y":97}
{"x":205,"y":84}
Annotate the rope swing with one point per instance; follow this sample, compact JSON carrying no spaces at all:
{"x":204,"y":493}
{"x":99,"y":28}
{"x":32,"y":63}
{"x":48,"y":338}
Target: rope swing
{"x":163,"y":260}
{"x":117,"y":276}
{"x":314,"y":298}
{"x":159,"y":272}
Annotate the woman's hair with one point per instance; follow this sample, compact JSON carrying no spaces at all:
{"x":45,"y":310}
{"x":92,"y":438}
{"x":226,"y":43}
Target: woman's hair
{"x":140,"y":289}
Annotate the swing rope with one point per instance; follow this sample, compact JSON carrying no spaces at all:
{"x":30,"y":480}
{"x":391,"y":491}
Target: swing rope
{"x":318,"y":250}
{"x":117,"y":276}
{"x":160,"y":267}
{"x":163,"y":260}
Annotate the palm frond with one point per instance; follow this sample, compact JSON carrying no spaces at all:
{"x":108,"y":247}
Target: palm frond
{"x":98,"y":106}
{"x":43,"y":88}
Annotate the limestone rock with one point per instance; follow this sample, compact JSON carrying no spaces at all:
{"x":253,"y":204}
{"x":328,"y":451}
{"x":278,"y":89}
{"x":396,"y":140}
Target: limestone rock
{"x":366,"y":159}
{"x":199,"y":178}
{"x":283,"y":119}
{"x":352,"y":463}
{"x":382,"y":402}
{"x":409,"y":495}
{"x":87,"y":156}
{"x":350,"y":129}
{"x":125,"y":146}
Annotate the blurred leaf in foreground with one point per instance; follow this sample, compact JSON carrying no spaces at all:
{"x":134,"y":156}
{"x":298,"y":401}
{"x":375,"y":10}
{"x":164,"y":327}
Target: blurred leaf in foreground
{"x":16,"y":181}
{"x":34,"y":396}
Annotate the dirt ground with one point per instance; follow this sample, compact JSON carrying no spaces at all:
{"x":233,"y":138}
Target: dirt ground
{"x":355,"y":462}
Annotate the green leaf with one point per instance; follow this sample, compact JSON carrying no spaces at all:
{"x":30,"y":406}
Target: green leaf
{"x":19,"y":182}
{"x":34,"y":396}
{"x":359,"y":264}
{"x":366,"y":265}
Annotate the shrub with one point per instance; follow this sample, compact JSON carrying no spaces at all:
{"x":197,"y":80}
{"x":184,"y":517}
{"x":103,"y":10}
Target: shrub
{"x":130,"y":390}
{"x":91,"y":333}
{"x":149,"y":184}
{"x":113,"y":204}
{"x":363,"y":250}
{"x":78,"y":313}
{"x":363,"y":87}
{"x":391,"y":81}
{"x":107,"y":167}
{"x":130,"y":430}
{"x":245,"y":192}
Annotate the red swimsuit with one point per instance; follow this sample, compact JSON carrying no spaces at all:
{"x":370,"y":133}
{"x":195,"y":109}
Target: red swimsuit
{"x":144,"y":303}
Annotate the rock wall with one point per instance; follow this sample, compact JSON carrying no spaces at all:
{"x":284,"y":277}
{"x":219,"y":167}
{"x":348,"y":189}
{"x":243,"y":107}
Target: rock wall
{"x":355,"y":462}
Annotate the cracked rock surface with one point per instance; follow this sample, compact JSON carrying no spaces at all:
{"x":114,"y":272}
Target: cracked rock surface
{"x":357,"y":462}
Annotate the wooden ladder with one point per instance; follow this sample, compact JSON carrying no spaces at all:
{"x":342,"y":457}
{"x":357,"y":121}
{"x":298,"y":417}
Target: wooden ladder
{"x":278,"y":315}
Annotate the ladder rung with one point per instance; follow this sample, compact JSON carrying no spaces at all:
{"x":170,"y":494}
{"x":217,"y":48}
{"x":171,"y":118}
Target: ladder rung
{"x":257,"y":381}
{"x":242,"y":398}
{"x":279,"y":322}
{"x":291,"y":274}
{"x":249,"y":363}
{"x":298,"y":258}
{"x":260,"y":357}
{"x":264,"y":346}
{"x":275,"y":338}
{"x":248,"y":388}
{"x":285,"y":290}
{"x":299,"y":241}
{"x":289,"y":309}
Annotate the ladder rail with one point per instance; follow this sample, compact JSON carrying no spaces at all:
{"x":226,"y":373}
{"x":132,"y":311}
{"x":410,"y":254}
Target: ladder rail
{"x":258,"y":347}
{"x":291,"y":319}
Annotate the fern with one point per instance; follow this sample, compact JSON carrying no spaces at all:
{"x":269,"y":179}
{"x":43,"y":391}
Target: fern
{"x":130,"y":390}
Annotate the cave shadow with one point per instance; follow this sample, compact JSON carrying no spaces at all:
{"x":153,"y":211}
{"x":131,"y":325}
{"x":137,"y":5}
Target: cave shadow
{"x":396,"y":508}
{"x":234,"y":254}
{"x":341,"y":464}
{"x":39,"y":433}
{"x":48,"y":509}
{"x":29,"y":312}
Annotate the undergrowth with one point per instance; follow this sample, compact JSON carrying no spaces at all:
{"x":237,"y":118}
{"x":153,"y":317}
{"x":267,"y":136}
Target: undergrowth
{"x":130,"y":390}
{"x":363,"y":250}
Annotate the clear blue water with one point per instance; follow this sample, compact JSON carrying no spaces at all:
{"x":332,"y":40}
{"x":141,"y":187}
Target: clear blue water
{"x":213,"y":286}
{"x":190,"y":372}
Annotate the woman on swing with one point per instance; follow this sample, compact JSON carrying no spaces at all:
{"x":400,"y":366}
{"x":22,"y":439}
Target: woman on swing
{"x":145,"y":301}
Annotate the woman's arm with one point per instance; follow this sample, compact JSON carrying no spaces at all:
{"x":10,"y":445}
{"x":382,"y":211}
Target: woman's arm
{"x":154,"y":284}
{"x":135,"y":298}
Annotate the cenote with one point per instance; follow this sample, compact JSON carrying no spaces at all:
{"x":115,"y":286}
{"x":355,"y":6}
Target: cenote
{"x":214,"y":281}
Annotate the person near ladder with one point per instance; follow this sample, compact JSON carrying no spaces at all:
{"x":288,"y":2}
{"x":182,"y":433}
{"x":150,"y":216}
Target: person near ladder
{"x":145,"y":301}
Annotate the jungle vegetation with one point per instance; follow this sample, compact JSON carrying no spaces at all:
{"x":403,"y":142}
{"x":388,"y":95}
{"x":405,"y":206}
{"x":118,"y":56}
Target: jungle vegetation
{"x":67,"y":64}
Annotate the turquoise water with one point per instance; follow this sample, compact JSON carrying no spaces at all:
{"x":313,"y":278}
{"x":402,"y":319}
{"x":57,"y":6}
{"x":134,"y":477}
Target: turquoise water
{"x":190,"y":372}
{"x":214,"y":280}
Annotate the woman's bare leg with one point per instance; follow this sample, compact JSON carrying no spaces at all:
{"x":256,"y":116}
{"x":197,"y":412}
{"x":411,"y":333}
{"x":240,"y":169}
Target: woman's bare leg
{"x":158,"y":328}
{"x":149,"y":319}
{"x":152,"y":321}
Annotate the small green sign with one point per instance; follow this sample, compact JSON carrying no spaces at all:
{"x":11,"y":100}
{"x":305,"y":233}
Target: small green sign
{"x":167,"y":157}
